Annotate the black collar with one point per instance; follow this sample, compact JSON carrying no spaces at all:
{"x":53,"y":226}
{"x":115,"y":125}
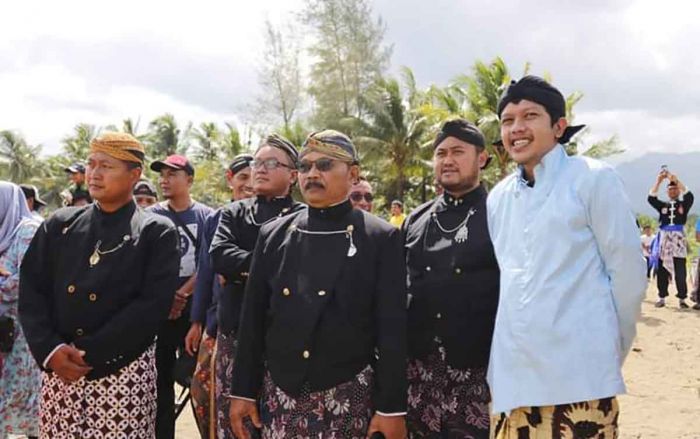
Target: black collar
{"x":115,"y":217}
{"x":331,"y":212}
{"x":449,"y":202}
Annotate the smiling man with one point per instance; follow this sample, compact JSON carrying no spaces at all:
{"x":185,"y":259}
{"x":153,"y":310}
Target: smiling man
{"x":453,"y":288}
{"x":572,"y":278}
{"x":96,"y":284}
{"x":322,"y":336}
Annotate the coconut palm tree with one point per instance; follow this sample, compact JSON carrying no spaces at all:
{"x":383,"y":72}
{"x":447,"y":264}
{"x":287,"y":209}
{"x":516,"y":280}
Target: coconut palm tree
{"x":18,"y":160}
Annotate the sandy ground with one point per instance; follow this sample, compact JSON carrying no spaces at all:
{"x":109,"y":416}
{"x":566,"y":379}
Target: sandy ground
{"x":662,"y":374}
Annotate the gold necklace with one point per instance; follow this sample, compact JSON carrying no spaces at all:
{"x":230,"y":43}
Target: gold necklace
{"x":97,"y":254}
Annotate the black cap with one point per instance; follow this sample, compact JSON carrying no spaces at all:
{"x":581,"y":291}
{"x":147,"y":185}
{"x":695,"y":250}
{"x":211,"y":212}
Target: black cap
{"x":241,"y":161}
{"x":145,"y":187}
{"x":30,"y":191}
{"x":75,"y":168}
{"x":175,"y":161}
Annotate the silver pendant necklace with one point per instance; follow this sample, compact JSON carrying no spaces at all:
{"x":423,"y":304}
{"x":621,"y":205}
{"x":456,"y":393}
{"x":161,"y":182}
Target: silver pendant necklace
{"x":257,"y":224}
{"x":461,"y":229}
{"x":352,"y":250}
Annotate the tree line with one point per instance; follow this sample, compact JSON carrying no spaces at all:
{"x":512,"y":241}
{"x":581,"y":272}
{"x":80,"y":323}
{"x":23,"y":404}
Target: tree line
{"x":335,"y":76}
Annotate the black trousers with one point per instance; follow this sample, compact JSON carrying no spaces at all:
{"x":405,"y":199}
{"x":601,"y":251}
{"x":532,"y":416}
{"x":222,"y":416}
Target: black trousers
{"x":171,"y":337}
{"x":662,"y":277}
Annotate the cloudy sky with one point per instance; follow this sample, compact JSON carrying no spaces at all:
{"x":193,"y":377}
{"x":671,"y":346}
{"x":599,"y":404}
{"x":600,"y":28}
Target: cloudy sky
{"x":67,"y":62}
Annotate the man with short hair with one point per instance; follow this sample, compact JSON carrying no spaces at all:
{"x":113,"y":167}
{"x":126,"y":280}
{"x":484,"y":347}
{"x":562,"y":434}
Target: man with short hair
{"x":453,"y":291}
{"x":361,"y":195}
{"x":670,"y":249}
{"x":176,"y":178}
{"x":572,"y":278}
{"x":76,"y":194}
{"x":273,"y":176}
{"x":397,"y":215}
{"x":322,"y":336}
{"x":201,"y":337}
{"x":145,"y":194}
{"x":96,"y":284}
{"x":34,"y":202}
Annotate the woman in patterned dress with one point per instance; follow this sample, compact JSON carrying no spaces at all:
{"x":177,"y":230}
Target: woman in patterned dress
{"x":20,"y":377}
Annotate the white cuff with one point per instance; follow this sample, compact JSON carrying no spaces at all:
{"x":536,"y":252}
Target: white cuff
{"x":654,"y":193}
{"x":240,"y":397}
{"x":391,"y":414}
{"x":45,"y":364}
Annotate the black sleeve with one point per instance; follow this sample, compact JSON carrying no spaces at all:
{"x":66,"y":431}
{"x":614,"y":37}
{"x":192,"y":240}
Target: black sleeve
{"x":688,"y":200}
{"x":35,"y":296}
{"x":148,"y":310}
{"x":391,"y":323}
{"x":226,"y":256}
{"x":655,"y":202}
{"x":248,"y":373}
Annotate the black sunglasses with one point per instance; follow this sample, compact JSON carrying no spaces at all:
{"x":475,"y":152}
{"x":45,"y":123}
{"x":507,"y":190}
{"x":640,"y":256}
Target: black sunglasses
{"x":323,"y":165}
{"x":357,"y":197}
{"x":269,"y":164}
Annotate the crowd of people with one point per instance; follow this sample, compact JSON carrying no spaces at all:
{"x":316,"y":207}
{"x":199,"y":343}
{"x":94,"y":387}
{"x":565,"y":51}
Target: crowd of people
{"x":505,"y":314}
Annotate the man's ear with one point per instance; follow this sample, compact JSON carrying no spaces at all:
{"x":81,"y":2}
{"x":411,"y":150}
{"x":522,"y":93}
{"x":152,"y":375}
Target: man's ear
{"x":354,"y":173}
{"x":559,"y":127}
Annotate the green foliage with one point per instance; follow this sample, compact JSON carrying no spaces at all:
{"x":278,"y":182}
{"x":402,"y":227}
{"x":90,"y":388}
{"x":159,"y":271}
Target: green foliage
{"x":18,"y":160}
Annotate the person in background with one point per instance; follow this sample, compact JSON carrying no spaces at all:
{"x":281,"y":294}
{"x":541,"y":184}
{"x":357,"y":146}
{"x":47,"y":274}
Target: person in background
{"x":670,"y":247}
{"x":646,"y":239}
{"x":201,"y":338}
{"x":361,"y":195}
{"x":189,"y":216}
{"x":145,"y":194}
{"x":20,"y":378}
{"x":34,"y":202}
{"x":76,"y":194}
{"x":397,"y":215}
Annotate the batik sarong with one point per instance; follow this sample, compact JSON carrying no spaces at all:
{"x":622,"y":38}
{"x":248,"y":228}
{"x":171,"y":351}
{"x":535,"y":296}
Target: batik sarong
{"x":202,"y":387}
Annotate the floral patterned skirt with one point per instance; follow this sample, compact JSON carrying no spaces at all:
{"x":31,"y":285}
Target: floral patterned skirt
{"x":446,"y":402}
{"x":583,"y":420}
{"x":121,"y":405}
{"x":342,"y":412}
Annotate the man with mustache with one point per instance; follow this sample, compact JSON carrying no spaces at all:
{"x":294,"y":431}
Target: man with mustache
{"x":322,"y":339}
{"x":273,"y":176}
{"x":572,"y":278}
{"x":201,"y":338}
{"x":453,"y":290}
{"x":96,"y":285}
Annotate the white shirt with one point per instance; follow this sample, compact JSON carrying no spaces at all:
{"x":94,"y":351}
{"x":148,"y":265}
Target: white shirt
{"x":646,"y":242}
{"x":572,"y":282}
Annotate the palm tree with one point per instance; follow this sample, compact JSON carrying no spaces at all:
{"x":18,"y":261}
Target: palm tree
{"x":231,"y":144}
{"x":391,"y":135}
{"x":18,"y":159}
{"x":76,"y":146}
{"x":208,"y":138}
{"x":165,"y":137}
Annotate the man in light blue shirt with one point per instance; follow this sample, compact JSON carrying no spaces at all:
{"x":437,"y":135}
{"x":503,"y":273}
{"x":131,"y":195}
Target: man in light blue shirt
{"x":572,"y":277}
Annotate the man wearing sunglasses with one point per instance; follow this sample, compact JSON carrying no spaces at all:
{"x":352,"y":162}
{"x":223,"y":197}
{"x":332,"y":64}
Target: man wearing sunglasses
{"x":361,"y":195}
{"x":322,"y":339}
{"x":273,"y":175}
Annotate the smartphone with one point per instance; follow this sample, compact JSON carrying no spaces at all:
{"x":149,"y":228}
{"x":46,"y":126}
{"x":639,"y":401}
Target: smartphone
{"x":664,"y":169}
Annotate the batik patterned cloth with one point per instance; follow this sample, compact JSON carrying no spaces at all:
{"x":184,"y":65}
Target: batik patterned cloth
{"x":446,"y":402}
{"x":673,"y":245}
{"x":583,"y":420}
{"x":342,"y":412}
{"x":121,"y":405}
{"x":202,"y":386}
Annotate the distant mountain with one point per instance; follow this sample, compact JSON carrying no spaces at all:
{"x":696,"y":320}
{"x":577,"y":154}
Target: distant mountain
{"x":639,"y":175}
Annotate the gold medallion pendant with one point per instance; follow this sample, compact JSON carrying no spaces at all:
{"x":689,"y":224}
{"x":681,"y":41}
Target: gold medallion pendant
{"x":94,"y":258}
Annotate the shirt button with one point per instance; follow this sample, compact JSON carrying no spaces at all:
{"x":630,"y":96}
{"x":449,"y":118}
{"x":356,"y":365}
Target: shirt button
{"x":427,"y":268}
{"x":306,"y":354}
{"x":286,"y":292}
{"x":92,"y":297}
{"x":322,"y":293}
{"x":71,"y":289}
{"x":458,"y":270}
{"x":438,"y":316}
{"x":79,"y":331}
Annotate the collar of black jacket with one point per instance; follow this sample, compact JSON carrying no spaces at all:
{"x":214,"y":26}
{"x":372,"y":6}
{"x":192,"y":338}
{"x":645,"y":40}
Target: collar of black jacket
{"x":114,"y":217}
{"x":331,"y":212}
{"x":448,"y":201}
{"x":280,"y":201}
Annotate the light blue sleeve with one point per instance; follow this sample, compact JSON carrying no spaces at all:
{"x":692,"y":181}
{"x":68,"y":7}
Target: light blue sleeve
{"x":615,"y":230}
{"x":697,"y":226}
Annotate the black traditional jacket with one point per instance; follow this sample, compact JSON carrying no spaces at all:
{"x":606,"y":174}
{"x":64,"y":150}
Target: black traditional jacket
{"x":453,"y":279}
{"x":111,"y":309}
{"x":232,"y":247}
{"x":326,"y":298}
